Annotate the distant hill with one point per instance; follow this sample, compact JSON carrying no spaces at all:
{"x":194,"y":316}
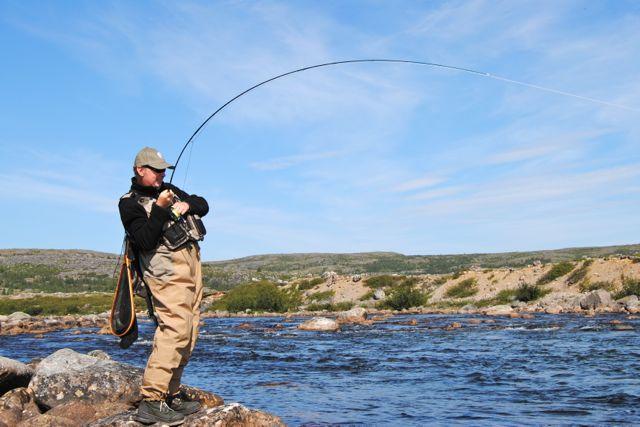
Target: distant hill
{"x":52,"y":270}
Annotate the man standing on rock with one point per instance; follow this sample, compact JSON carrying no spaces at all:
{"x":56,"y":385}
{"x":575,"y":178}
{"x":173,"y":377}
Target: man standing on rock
{"x":163,"y":223}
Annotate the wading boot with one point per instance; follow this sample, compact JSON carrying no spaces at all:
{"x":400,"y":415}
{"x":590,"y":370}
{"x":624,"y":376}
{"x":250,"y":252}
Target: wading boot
{"x":157,"y":411}
{"x":179,"y":402}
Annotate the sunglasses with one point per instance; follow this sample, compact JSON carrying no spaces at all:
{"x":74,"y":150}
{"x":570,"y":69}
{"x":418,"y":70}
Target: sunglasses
{"x":154,"y":169}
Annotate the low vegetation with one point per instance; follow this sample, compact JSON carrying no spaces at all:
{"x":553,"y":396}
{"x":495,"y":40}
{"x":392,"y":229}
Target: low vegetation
{"x":464,"y":289}
{"x":629,"y":287}
{"x":405,"y":296}
{"x":305,"y":284}
{"x":558,"y":270}
{"x":587,"y":286}
{"x":44,"y":278}
{"x":259,"y":296}
{"x":340,"y":306}
{"x":383,"y":281}
{"x":49,"y":305}
{"x":523,"y":293}
{"x":321,"y":296}
{"x":579,"y":274}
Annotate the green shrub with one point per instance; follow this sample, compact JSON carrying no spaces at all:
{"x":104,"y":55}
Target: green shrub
{"x":308,"y":284}
{"x":260,"y":296}
{"x":466,"y":288}
{"x":341,"y":306}
{"x":505,"y":296}
{"x":629,"y":287}
{"x":383,"y":281}
{"x":578,"y":275}
{"x":588,"y":286}
{"x":405,"y":296}
{"x":457,"y":274}
{"x":526,"y":292}
{"x":321,"y":296}
{"x":558,"y":270}
{"x":46,"y":278}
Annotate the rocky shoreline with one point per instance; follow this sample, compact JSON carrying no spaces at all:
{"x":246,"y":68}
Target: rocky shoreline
{"x":589,"y":304}
{"x":72,"y":389}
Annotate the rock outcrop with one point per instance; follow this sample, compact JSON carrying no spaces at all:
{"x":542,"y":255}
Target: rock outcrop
{"x":75,"y":389}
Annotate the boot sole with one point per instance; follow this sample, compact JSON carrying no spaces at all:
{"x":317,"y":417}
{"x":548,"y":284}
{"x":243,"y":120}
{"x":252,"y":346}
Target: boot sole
{"x":149,"y":421}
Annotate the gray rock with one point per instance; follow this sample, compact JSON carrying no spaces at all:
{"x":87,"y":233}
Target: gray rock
{"x":469,"y":307}
{"x":3,"y":318}
{"x":17,"y":316}
{"x":596,"y":299}
{"x":379,"y":294}
{"x":66,"y":375}
{"x":319,"y":324}
{"x":233,"y":414}
{"x":13,"y":374}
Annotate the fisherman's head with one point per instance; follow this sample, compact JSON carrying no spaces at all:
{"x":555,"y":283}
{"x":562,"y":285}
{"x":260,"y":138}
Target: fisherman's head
{"x":149,"y":167}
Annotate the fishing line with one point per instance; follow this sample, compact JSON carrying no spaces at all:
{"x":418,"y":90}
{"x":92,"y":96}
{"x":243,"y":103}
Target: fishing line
{"x":398,"y":61}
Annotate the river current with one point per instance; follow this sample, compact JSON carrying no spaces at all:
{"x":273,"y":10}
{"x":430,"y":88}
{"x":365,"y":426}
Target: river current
{"x":558,"y":370}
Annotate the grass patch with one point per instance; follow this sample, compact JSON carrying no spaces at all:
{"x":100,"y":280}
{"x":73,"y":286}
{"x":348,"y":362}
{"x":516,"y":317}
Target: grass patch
{"x":588,"y":286}
{"x":47,"y":305}
{"x":629,"y":287}
{"x":527,"y":293}
{"x":260,"y":296}
{"x":578,"y":275}
{"x":321,"y":296}
{"x":340,"y":306}
{"x":441,"y":280}
{"x":466,"y":288}
{"x":305,"y":284}
{"x":383,"y":281}
{"x":367,"y":296}
{"x":44,"y":278}
{"x":558,"y":270}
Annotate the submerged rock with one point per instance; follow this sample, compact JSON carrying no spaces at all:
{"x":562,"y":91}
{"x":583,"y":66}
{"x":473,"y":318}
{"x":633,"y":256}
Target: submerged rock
{"x":319,"y":324}
{"x":13,"y":374}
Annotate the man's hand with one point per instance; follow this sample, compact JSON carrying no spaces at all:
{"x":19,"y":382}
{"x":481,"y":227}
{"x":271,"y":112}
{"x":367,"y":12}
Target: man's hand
{"x":181,"y":207}
{"x":165,"y":199}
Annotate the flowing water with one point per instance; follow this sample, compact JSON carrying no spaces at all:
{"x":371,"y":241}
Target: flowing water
{"x":559,"y":370}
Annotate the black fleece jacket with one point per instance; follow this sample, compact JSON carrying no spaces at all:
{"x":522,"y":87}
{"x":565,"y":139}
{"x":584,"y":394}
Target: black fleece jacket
{"x":147,"y":230}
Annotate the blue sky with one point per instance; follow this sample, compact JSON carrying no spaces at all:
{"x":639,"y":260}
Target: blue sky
{"x":361,"y":157}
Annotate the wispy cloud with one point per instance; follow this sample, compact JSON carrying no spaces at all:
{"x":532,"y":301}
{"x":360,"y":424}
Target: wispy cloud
{"x":290,"y":161}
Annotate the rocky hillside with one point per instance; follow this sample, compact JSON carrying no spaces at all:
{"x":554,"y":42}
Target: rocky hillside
{"x":51,"y":270}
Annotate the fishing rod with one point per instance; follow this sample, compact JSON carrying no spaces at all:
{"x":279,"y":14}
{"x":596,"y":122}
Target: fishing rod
{"x":397,"y":61}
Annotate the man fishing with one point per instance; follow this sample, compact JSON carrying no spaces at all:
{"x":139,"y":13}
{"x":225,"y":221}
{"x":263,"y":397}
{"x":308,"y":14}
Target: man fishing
{"x":163,"y":224}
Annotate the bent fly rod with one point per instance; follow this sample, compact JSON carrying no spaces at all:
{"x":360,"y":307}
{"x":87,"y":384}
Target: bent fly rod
{"x":396,"y":61}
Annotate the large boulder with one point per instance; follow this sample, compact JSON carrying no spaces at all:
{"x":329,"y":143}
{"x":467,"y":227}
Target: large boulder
{"x":17,"y":405}
{"x":13,"y":374}
{"x":355,"y":315}
{"x":66,"y":376}
{"x":232,"y":414}
{"x":596,"y":299}
{"x":18,"y":316}
{"x":319,"y":324}
{"x":379,"y":295}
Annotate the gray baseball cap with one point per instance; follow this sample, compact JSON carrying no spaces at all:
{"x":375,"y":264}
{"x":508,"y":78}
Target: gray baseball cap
{"x":151,"y":157}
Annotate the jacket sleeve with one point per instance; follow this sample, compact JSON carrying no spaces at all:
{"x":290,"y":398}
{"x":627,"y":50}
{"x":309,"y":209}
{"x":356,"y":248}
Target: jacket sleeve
{"x":197,"y":205}
{"x":145,"y":231}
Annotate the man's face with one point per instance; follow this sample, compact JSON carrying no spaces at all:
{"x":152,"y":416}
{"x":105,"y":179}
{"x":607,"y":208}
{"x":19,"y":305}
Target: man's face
{"x":150,"y":177}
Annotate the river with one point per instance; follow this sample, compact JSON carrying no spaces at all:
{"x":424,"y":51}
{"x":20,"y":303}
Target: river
{"x":560,"y":370}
